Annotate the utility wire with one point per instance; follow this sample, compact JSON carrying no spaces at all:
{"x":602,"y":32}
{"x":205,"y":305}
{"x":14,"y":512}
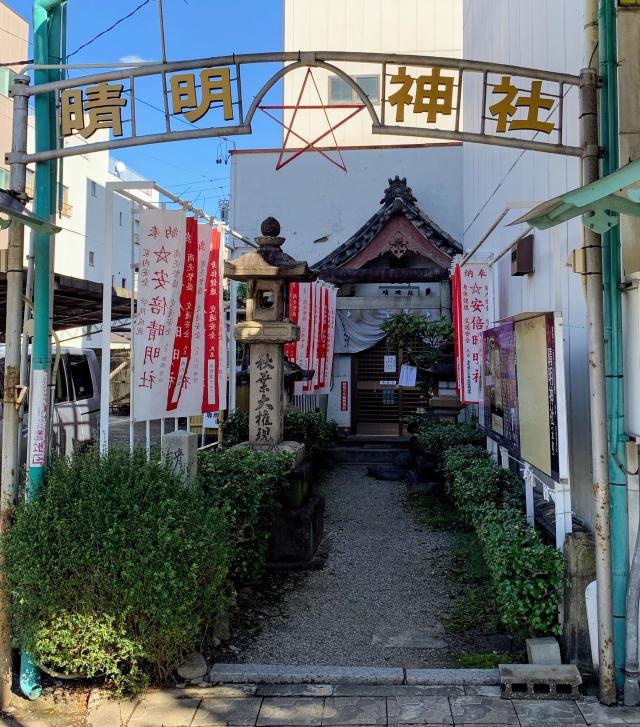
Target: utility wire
{"x":109,"y":29}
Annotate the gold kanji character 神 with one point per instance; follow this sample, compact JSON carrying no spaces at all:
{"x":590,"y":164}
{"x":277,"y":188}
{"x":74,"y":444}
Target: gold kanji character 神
{"x":434,"y":95}
{"x":402,"y":97}
{"x":505,"y":109}
{"x":215,"y":85}
{"x":103,"y":104}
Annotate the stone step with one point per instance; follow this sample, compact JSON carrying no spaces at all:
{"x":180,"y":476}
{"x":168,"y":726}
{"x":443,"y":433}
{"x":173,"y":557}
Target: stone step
{"x":364,"y":455}
{"x":540,"y":681}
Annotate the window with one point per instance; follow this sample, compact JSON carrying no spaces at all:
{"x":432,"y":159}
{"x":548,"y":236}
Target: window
{"x":124,"y":282}
{"x":6,"y":80}
{"x":93,"y":188}
{"x":4,"y":178}
{"x":92,"y":258}
{"x":120,"y":218}
{"x":80,"y":376}
{"x":66,"y":209}
{"x":61,"y":384}
{"x":341,"y":92}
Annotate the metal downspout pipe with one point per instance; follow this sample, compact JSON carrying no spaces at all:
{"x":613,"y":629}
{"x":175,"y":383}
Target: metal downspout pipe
{"x":597,"y":387}
{"x":608,"y":105}
{"x":47,"y":31}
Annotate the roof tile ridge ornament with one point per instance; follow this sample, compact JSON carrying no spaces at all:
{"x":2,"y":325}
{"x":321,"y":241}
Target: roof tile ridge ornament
{"x":398,"y":189}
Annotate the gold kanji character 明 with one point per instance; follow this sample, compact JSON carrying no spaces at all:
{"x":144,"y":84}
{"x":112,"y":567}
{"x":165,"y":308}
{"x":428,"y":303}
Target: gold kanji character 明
{"x":103,"y":104}
{"x":506,"y":107}
{"x":215,"y":85}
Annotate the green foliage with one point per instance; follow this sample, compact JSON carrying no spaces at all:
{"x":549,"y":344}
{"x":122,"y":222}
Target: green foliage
{"x":245,"y":486}
{"x":401,"y":327}
{"x":484,"y":661}
{"x":435,"y":512}
{"x":235,"y":428}
{"x":436,"y":435}
{"x":116,"y":568}
{"x":306,"y":427}
{"x":526,"y":575}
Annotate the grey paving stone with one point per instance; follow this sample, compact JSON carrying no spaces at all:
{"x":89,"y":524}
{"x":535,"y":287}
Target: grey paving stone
{"x":276,"y":674}
{"x":295,"y":690}
{"x":596,"y":713}
{"x":482,"y":710}
{"x":482,"y":691}
{"x":234,"y":712}
{"x":224,"y":690}
{"x":419,"y":710}
{"x":397,"y":690}
{"x":548,"y":712}
{"x":454,"y":677}
{"x":170,"y":713}
{"x":290,"y":711}
{"x":355,"y":711}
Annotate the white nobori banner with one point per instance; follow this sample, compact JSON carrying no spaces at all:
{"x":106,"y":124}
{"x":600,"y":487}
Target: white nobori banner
{"x":178,"y":338}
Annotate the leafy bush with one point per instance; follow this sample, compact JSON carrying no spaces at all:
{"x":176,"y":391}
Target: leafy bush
{"x":245,"y":486}
{"x":526,"y":575}
{"x":306,"y":427}
{"x":116,"y":568}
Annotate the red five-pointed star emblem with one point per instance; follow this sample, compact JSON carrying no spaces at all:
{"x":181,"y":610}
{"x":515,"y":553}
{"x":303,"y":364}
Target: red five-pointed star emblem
{"x":352,"y":110}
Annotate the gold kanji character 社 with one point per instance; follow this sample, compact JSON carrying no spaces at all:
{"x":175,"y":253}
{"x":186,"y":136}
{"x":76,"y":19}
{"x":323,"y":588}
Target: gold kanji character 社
{"x":215,"y":85}
{"x":103,"y":105}
{"x":506,"y":108}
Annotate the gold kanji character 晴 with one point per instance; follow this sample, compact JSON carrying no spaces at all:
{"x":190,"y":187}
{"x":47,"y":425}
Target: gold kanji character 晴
{"x":103,"y":105}
{"x":215,"y":85}
{"x":505,"y":109}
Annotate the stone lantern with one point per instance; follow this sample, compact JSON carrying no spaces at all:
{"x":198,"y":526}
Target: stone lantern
{"x":267,"y":272}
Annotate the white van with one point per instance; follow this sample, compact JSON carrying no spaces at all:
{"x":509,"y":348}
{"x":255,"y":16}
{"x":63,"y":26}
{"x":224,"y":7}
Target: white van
{"x":76,"y":411}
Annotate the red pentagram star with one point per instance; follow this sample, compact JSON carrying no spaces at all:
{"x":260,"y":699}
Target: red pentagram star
{"x":353,"y":108}
{"x":162,"y":255}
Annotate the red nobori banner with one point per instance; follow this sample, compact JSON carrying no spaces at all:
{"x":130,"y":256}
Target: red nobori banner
{"x":471,"y":292}
{"x":169,"y":328}
{"x":215,"y":365}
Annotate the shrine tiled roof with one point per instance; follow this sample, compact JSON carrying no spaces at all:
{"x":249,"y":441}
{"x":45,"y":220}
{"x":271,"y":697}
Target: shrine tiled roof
{"x":398,"y":200}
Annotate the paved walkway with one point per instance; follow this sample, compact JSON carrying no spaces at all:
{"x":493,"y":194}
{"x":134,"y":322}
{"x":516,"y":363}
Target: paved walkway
{"x":381,"y":597}
{"x":357,"y":705}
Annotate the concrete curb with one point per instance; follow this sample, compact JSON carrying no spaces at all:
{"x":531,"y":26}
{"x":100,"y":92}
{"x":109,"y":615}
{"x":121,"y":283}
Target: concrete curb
{"x":277,"y":674}
{"x":454,"y":677}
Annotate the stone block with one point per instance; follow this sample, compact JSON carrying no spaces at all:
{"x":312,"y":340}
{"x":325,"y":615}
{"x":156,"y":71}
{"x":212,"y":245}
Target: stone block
{"x":299,"y":711}
{"x":539,"y":681}
{"x":579,"y":571}
{"x":276,"y":674}
{"x":419,"y":710}
{"x":545,"y":650}
{"x":454,"y":677}
{"x":241,"y":712}
{"x":180,"y":453}
{"x":296,"y":534}
{"x":355,"y":711}
{"x":194,"y":667}
{"x":482,"y":710}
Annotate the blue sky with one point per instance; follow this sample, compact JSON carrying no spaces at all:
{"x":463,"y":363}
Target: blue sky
{"x":194,"y":29}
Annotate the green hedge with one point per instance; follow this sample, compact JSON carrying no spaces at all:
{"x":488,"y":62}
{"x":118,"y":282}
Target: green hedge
{"x":116,"y":568}
{"x":526,"y":574}
{"x":245,"y":485}
{"x":307,"y":427}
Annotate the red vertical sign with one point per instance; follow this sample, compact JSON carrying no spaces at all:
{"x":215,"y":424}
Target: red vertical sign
{"x":212,"y":323}
{"x":181,"y":356}
{"x":294,"y":305}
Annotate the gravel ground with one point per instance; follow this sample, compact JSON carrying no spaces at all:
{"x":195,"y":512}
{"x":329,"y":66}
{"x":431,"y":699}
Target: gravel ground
{"x":381,"y":581}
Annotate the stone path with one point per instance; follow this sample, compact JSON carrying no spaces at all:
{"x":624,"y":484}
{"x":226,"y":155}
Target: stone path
{"x":315,"y":705}
{"x":380,"y":599}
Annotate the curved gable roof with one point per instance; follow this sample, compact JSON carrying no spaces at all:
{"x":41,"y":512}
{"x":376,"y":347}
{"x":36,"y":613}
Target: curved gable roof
{"x":398,"y":200}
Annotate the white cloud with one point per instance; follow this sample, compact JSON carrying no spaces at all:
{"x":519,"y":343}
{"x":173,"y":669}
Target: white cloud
{"x":132,"y":59}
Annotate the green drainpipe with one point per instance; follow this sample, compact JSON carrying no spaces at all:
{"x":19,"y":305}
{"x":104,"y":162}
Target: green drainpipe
{"x":47,"y":33}
{"x":611,"y":271}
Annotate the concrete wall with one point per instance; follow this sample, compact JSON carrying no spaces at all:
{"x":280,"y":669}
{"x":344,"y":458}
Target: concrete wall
{"x":423,"y":27}
{"x":546,"y":34}
{"x":319,"y":206}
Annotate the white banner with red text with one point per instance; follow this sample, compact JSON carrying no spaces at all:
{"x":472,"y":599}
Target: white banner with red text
{"x":179,"y":341}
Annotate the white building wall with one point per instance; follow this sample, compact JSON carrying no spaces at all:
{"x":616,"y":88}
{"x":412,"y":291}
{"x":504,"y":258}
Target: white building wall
{"x":548,"y":35}
{"x":319,"y":206}
{"x":422,"y":27}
